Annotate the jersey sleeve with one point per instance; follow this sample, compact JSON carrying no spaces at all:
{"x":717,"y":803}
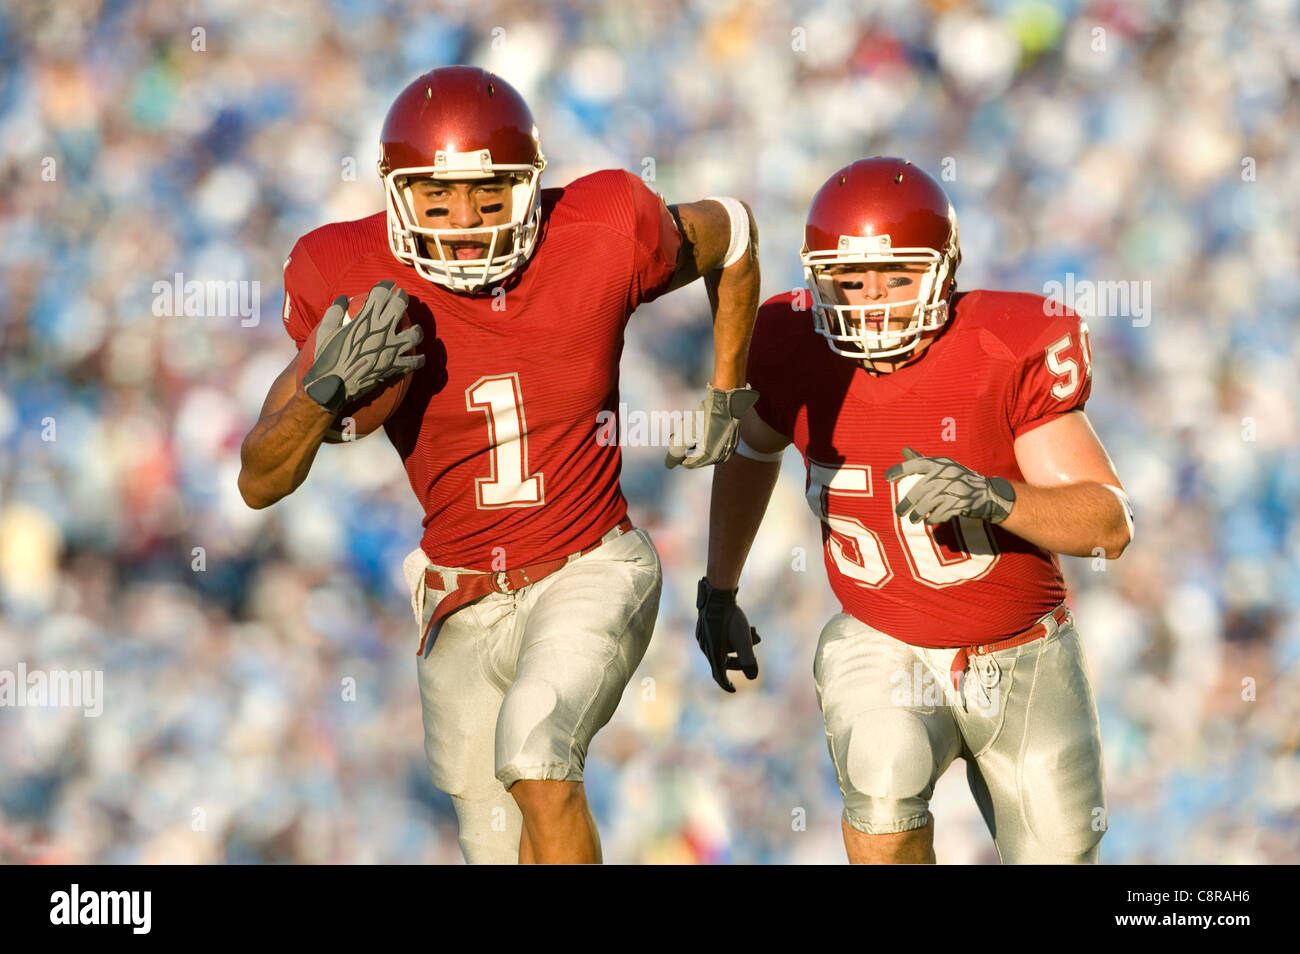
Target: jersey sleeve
{"x":1054,"y":375}
{"x":306,"y":294}
{"x":656,"y":243}
{"x":768,"y":367}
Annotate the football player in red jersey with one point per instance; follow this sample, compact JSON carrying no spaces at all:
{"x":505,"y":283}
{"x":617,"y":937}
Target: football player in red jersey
{"x":949,"y":461}
{"x":535,"y":596}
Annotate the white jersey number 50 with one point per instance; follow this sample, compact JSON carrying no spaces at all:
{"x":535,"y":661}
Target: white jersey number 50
{"x":858,"y":553}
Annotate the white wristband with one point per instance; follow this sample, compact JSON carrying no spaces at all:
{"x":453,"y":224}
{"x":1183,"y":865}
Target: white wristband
{"x":744,"y":450}
{"x":739,"y":228}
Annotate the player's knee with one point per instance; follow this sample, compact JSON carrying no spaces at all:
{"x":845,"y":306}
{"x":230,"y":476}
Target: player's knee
{"x":886,"y":773}
{"x":913,"y":843}
{"x":889,"y":758}
{"x":884,"y":816}
{"x":531,"y":739}
{"x":529,"y":703}
{"x":548,"y":718}
{"x":547,"y":798}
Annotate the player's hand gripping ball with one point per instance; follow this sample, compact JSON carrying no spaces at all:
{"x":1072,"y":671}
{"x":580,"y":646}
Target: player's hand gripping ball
{"x":359,"y":360}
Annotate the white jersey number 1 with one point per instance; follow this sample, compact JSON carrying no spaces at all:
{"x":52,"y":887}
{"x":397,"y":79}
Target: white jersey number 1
{"x":510,"y":484}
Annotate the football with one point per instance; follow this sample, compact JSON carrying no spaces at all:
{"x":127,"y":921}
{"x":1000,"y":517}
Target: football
{"x":367,"y":413}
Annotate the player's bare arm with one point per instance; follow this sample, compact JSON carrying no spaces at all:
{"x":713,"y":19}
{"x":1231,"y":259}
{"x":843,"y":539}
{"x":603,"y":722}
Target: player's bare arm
{"x":1072,"y":501}
{"x":706,"y":229}
{"x":742,"y":487}
{"x":720,"y":244}
{"x":277,"y":454}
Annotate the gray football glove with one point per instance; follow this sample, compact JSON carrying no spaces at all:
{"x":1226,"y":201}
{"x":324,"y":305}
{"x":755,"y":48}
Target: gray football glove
{"x":352,"y":359}
{"x":947,"y":489}
{"x":720,"y":412}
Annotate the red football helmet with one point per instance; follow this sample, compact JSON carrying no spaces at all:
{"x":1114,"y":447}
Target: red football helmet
{"x":880,"y":211}
{"x":461,"y":122}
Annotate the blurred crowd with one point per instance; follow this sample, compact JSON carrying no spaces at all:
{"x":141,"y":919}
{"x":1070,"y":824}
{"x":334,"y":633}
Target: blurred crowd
{"x":260,"y":702}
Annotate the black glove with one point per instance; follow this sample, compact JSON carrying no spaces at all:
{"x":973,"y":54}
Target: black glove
{"x":724,"y":634}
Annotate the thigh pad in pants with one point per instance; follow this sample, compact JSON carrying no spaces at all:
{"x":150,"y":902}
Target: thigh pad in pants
{"x":889,"y":730}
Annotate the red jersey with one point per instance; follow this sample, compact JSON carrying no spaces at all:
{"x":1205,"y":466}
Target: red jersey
{"x":498,"y":430}
{"x":1005,"y":364}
